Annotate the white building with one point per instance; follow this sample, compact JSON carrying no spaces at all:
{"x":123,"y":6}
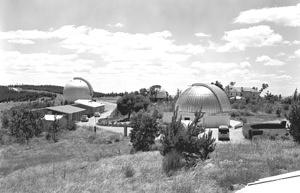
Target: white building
{"x":90,"y":106}
{"x":245,"y":92}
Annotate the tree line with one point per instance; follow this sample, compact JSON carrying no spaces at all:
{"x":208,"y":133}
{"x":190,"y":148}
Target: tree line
{"x":7,"y":95}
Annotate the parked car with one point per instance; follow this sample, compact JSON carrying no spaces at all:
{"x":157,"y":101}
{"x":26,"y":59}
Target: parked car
{"x":84,"y":118}
{"x":97,"y":114}
{"x":223,"y":133}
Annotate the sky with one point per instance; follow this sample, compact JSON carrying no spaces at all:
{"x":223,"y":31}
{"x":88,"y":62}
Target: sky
{"x":125,"y":45}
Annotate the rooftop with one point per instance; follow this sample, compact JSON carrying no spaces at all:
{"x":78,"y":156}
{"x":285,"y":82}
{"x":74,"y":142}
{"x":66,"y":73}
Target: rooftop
{"x":89,"y":103}
{"x":67,"y":109}
{"x":209,"y":97}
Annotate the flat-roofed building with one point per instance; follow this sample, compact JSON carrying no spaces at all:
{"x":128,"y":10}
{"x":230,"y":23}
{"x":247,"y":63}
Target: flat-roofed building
{"x":90,"y":106}
{"x":71,"y":113}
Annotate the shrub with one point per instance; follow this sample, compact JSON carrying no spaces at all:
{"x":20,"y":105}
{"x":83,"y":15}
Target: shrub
{"x":243,"y":119}
{"x":171,"y":162}
{"x":128,"y":170}
{"x":278,"y":112}
{"x":254,"y":108}
{"x":186,"y":142}
{"x":235,"y":105}
{"x":269,"y":109}
{"x":286,"y":107}
{"x":144,"y":130}
{"x":23,"y":124}
{"x":235,"y":114}
{"x":130,"y":103}
{"x":294,"y":118}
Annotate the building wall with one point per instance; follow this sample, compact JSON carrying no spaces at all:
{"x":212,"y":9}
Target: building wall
{"x":90,"y":110}
{"x":208,"y":121}
{"x":76,"y":116}
{"x":69,"y":117}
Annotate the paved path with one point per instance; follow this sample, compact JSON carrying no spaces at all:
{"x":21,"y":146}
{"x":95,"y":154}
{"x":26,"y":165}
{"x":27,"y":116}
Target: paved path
{"x":109,"y":108}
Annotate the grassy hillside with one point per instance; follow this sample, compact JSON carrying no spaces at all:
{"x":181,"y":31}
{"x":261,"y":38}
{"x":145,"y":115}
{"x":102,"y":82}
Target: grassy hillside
{"x":59,"y":89}
{"x":48,"y":88}
{"x":7,"y":95}
{"x":80,"y":145}
{"x":230,"y":164}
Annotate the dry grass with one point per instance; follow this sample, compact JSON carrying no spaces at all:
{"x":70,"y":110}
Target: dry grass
{"x":72,"y":145}
{"x":230,"y":164}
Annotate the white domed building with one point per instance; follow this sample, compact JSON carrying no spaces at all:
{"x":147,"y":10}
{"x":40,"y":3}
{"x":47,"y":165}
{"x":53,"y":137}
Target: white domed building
{"x":210,"y":99}
{"x":78,"y":88}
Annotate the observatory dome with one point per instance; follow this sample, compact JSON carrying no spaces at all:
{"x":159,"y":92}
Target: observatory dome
{"x":211,"y":98}
{"x":78,"y":88}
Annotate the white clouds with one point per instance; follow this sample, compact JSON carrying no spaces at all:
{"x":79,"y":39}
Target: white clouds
{"x":297,"y":53}
{"x":20,"y":41}
{"x":118,"y":47}
{"x":202,"y":35}
{"x":13,"y":62}
{"x":296,"y":42}
{"x":267,"y":61}
{"x":136,"y":59}
{"x":116,"y":25}
{"x":158,"y":47}
{"x":288,"y":16}
{"x":245,"y":64}
{"x":257,"y":36}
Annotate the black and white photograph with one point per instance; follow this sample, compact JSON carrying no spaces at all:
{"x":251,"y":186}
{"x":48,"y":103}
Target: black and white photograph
{"x":149,"y":96}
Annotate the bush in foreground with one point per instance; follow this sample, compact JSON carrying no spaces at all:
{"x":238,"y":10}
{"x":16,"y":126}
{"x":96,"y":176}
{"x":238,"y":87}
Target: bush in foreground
{"x":185,"y":142}
{"x":144,"y":130}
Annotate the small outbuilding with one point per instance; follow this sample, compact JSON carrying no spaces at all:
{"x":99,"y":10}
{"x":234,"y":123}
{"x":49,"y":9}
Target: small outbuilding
{"x":90,"y":106}
{"x":70,"y":112}
{"x":209,"y":98}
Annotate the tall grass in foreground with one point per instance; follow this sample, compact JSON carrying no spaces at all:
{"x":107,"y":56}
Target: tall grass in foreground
{"x":230,"y":164}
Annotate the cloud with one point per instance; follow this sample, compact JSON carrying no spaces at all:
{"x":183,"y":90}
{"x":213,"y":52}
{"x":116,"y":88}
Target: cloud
{"x":116,"y":25}
{"x":257,"y":36}
{"x":267,"y":61}
{"x":245,"y":64}
{"x":297,"y":53}
{"x":225,"y":72}
{"x":202,"y":35}
{"x":114,"y":47}
{"x":287,"y":16}
{"x":20,"y":41}
{"x":275,"y":76}
{"x":40,"y":63}
{"x":121,"y":47}
{"x":296,"y":42}
{"x":222,"y":71}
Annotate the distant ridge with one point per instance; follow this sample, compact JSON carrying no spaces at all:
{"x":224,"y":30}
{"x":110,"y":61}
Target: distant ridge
{"x":57,"y":89}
